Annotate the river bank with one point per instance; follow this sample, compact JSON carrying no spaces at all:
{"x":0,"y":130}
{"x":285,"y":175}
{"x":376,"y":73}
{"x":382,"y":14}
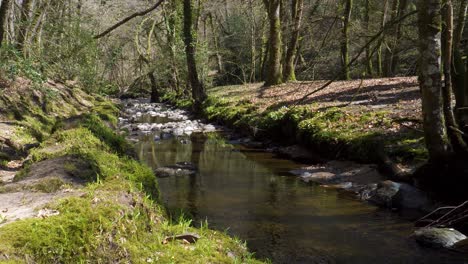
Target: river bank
{"x":72,"y":192}
{"x":235,"y":185}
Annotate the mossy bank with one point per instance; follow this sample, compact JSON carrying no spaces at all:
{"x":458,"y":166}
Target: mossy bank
{"x":105,"y":203}
{"x":350,"y":132}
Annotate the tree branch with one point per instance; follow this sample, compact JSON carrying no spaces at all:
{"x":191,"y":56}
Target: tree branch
{"x":125,"y":20}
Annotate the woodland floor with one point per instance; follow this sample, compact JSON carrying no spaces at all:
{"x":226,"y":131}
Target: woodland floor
{"x":388,"y":108}
{"x":399,"y":95}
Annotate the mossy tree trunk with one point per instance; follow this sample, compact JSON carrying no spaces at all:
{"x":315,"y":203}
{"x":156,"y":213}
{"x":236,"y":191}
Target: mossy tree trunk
{"x":345,"y":39}
{"x":198,"y":89}
{"x":3,"y":18}
{"x":430,"y":79}
{"x":289,"y":73}
{"x":273,"y":75}
{"x":24,"y":24}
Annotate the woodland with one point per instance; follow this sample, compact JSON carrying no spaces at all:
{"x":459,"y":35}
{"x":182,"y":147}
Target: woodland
{"x":370,"y":81}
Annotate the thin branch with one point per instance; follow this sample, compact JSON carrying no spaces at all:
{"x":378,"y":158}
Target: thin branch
{"x":125,"y":20}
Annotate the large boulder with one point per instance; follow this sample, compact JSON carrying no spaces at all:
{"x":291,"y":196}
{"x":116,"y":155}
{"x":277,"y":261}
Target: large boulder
{"x":399,"y":195}
{"x":438,"y":237}
{"x":179,"y":169}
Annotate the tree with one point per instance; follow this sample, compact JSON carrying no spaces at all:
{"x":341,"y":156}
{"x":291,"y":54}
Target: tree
{"x":3,"y":18}
{"x":296,"y":14}
{"x":430,"y":79}
{"x":369,"y":66}
{"x":391,"y":42}
{"x":459,"y":72}
{"x":198,"y":90}
{"x":24,"y":23}
{"x":345,"y":39}
{"x":456,"y":140}
{"x":379,"y":46}
{"x":273,"y":74}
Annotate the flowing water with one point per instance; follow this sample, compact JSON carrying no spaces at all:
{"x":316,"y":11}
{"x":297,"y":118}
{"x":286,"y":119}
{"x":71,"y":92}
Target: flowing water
{"x":250,"y":194}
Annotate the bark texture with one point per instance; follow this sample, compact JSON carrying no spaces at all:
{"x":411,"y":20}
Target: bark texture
{"x":273,"y":74}
{"x":198,"y":90}
{"x":345,"y":39}
{"x":430,"y":79}
{"x":289,"y":73}
{"x":3,"y":18}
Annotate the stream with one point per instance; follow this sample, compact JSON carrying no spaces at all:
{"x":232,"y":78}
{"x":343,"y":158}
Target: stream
{"x":251,"y":194}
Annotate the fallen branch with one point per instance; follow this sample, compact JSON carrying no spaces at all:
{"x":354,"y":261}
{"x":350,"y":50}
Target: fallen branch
{"x":125,"y":20}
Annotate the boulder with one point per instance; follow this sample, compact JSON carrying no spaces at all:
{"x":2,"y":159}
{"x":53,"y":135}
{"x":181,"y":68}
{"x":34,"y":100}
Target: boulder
{"x":399,"y":195}
{"x":438,"y":237}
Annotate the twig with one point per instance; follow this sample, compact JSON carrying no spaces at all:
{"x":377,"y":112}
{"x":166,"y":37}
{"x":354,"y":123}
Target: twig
{"x":125,"y":20}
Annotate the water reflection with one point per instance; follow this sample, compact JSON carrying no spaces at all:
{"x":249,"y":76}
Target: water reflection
{"x":248,"y":194}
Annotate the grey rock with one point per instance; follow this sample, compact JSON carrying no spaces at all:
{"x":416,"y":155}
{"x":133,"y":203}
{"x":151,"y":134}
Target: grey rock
{"x":438,"y":237}
{"x":399,"y":195}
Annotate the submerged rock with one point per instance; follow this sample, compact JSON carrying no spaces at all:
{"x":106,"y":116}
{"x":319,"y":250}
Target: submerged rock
{"x":438,"y":237}
{"x":399,"y":195}
{"x":179,"y":169}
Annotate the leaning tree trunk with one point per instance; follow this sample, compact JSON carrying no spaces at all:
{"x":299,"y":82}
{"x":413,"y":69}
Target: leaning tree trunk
{"x":273,"y":75}
{"x":454,"y":136}
{"x":289,"y":73}
{"x":3,"y":18}
{"x":345,"y":40}
{"x":24,"y":23}
{"x":198,"y":90}
{"x":430,"y":79}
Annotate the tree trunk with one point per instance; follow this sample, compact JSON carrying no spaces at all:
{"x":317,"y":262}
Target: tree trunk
{"x":391,"y":45}
{"x":3,"y":18}
{"x":155,"y":97}
{"x":430,"y":79}
{"x":454,"y":136}
{"x":171,"y":39}
{"x":399,"y":33}
{"x":459,"y":76}
{"x":345,"y":39}
{"x":273,"y":74}
{"x":379,"y":46}
{"x":289,"y":73}
{"x":24,"y":24}
{"x":198,"y":90}
{"x":369,"y":66}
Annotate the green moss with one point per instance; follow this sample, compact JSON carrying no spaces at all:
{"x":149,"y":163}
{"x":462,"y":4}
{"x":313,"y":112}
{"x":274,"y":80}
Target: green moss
{"x":51,"y":185}
{"x":96,"y":228}
{"x":116,"y":142}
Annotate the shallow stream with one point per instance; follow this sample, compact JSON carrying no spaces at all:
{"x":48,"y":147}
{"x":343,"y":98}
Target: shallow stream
{"x":250,"y":194}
